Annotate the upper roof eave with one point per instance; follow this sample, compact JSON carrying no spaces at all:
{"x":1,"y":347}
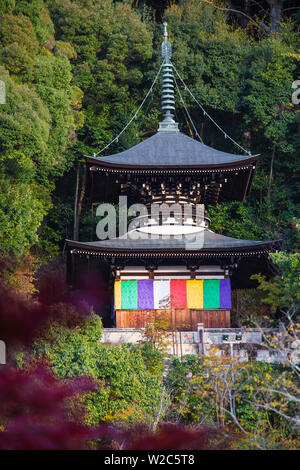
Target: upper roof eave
{"x":114,"y":166}
{"x":171,"y":151}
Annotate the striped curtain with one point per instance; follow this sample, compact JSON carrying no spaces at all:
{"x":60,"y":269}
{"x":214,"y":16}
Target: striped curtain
{"x":195,"y":294}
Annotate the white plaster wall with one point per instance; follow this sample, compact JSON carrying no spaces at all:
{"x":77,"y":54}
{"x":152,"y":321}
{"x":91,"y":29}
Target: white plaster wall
{"x":121,"y":335}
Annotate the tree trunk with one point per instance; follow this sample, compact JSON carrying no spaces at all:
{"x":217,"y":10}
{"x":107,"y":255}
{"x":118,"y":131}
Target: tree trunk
{"x":271,"y":172}
{"x":202,"y":130}
{"x":79,"y":205}
{"x":275,"y":15}
{"x":245,"y":8}
{"x":269,"y":208}
{"x":156,"y":421}
{"x":75,"y":230}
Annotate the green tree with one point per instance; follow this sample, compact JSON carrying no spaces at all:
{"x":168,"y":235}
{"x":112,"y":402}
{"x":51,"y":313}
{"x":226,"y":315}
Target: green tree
{"x":283,"y":291}
{"x":129,"y":384}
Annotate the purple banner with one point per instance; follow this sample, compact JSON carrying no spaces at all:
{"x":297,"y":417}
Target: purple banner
{"x":225,"y":293}
{"x":145,"y":294}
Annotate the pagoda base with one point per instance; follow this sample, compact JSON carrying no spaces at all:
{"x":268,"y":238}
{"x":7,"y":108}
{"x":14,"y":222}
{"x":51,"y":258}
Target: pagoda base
{"x":180,"y":319}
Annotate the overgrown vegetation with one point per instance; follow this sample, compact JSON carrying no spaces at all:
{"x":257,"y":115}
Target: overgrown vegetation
{"x":137,"y":388}
{"x":75,"y":71}
{"x":129,"y":386}
{"x":255,"y":402}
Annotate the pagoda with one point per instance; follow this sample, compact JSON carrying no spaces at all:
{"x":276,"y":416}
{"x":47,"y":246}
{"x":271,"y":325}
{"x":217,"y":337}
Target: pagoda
{"x":169,"y":262}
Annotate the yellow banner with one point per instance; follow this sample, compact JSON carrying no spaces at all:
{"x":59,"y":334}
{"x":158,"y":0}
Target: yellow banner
{"x":117,"y":304}
{"x":194,"y":293}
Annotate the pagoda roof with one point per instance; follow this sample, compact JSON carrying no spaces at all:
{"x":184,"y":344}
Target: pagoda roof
{"x":171,"y":149}
{"x":206,"y":242}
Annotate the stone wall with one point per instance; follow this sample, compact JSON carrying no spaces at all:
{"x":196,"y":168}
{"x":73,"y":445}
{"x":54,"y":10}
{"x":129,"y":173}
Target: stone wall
{"x":246,"y":344}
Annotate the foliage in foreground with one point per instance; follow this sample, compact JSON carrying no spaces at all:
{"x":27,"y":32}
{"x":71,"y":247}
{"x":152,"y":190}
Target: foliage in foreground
{"x":126,"y":386}
{"x":256,"y":401}
{"x":129,"y":387}
{"x":259,"y":400}
{"x":39,"y":410}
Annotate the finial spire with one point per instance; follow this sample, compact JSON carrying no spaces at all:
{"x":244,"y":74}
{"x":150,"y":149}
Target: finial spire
{"x":165,"y":30}
{"x":167,"y":96}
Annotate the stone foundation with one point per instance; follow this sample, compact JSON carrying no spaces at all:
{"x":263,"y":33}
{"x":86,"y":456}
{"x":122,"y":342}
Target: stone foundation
{"x":242,"y":343}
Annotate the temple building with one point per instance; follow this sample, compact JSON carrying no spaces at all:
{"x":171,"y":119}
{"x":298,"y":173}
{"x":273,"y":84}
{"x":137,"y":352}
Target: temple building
{"x":168,"y":262}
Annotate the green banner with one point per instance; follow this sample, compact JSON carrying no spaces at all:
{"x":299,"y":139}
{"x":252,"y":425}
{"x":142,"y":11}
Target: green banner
{"x":129,"y":295}
{"x":211,"y":293}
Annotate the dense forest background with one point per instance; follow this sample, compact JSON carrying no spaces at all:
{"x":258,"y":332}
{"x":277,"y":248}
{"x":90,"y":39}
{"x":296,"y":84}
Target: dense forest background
{"x":76,"y":71}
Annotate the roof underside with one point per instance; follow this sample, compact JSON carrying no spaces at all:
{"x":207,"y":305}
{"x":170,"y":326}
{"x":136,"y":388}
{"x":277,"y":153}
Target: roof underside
{"x":171,"y":149}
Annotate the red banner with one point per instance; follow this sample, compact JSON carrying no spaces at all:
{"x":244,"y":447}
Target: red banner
{"x":178,"y":293}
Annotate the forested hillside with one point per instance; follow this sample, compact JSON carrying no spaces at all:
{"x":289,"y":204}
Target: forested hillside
{"x":76,"y":71}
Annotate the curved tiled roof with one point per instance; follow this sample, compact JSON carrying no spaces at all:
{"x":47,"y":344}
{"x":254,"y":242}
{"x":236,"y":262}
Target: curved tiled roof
{"x":171,"y":149}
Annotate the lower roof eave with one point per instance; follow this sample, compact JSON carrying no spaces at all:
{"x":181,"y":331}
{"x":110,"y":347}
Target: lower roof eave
{"x":81,"y":248}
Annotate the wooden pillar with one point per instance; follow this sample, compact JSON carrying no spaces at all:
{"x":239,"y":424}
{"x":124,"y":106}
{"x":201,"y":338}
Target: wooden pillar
{"x":73,"y":272}
{"x":69,"y":274}
{"x":227,"y":312}
{"x":173,"y":318}
{"x":151,"y":274}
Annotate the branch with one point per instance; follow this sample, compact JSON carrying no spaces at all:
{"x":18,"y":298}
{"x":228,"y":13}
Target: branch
{"x":234,"y":419}
{"x":270,"y":408}
{"x":259,"y":5}
{"x":162,"y":401}
{"x":285,"y":394}
{"x":291,"y":8}
{"x":270,"y":346}
{"x":260,"y":25}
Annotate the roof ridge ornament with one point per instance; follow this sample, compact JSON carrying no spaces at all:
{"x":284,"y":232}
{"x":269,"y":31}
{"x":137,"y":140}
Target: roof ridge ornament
{"x":167,"y":95}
